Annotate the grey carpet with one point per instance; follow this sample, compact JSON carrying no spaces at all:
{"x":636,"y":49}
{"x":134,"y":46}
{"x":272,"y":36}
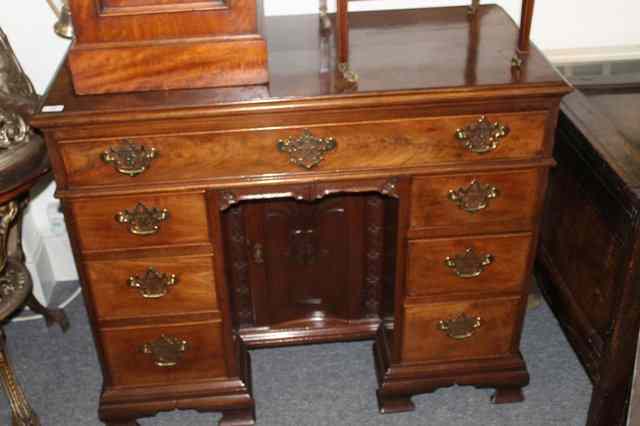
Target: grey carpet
{"x":330,"y":384}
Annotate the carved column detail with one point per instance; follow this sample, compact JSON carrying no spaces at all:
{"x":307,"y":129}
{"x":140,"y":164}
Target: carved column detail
{"x":374,"y":218}
{"x":239,"y":274}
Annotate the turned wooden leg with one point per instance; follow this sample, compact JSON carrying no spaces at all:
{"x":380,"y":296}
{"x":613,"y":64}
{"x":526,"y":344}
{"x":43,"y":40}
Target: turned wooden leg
{"x":242,"y":417}
{"x":507,"y":395}
{"x":21,"y":412}
{"x":51,"y":316}
{"x":388,"y":404}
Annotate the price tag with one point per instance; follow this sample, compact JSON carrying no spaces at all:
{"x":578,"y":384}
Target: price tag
{"x":53,"y":108}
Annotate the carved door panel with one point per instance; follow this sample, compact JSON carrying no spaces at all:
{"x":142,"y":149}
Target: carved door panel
{"x":301,"y":264}
{"x":306,"y":270}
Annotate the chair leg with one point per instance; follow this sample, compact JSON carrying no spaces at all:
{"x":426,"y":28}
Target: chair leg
{"x":51,"y":316}
{"x":21,"y":412}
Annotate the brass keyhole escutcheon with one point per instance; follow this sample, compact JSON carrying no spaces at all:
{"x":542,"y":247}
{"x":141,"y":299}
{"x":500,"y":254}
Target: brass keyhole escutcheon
{"x":306,"y":151}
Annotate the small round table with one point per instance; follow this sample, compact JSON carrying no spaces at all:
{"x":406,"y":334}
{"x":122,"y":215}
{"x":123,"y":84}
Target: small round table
{"x":21,"y":166}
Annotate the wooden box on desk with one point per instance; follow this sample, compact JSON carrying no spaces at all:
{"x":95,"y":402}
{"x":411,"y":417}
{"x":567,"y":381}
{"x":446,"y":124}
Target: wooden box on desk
{"x":590,"y":243}
{"x":137,"y":45}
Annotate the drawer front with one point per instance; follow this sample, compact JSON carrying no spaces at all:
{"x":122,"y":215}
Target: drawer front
{"x":462,"y":330}
{"x":360,"y":146}
{"x":471,"y":265}
{"x":152,"y":286}
{"x":142,"y":356}
{"x":136,"y":222}
{"x":478,"y":200}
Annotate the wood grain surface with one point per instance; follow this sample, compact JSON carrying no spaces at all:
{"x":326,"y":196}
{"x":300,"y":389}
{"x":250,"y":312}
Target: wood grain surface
{"x":423,"y":342}
{"x":128,"y":365}
{"x":428,"y":275}
{"x":513,"y":208}
{"x":99,"y":230}
{"x":360,"y":146}
{"x":113,"y":298}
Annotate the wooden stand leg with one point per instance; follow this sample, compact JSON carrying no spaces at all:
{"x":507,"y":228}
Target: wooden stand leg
{"x":243,"y":417}
{"x":507,"y":395}
{"x":21,"y":412}
{"x":51,"y":316}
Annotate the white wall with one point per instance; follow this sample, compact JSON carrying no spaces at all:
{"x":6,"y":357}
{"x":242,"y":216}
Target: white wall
{"x":558,"y":24}
{"x":560,"y":27}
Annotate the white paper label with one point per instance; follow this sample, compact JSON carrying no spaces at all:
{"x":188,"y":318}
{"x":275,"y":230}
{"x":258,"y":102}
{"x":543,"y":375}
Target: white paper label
{"x":53,"y":108}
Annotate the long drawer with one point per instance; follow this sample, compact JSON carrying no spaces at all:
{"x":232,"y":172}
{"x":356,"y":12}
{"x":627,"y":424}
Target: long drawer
{"x":151,"y":287}
{"x":140,"y":221}
{"x":470,"y":265}
{"x":459,"y":330}
{"x":172,"y":354}
{"x":340,"y":147}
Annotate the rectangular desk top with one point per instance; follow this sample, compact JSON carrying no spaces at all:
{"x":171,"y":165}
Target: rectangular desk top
{"x":423,"y":55}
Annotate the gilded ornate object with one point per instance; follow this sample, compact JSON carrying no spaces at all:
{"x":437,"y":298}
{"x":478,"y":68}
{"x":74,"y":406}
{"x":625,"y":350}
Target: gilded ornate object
{"x":461,"y":327}
{"x":143,"y":220}
{"x":469,"y":264}
{"x":347,"y":74}
{"x":129,"y":158}
{"x":306,"y":151}
{"x":166,"y":351}
{"x":21,"y":412}
{"x":22,"y":160}
{"x":475,"y":197}
{"x":482,"y":136}
{"x":153,"y":284}
{"x":8,"y":213}
{"x":64,"y":25}
{"x":13,"y":129}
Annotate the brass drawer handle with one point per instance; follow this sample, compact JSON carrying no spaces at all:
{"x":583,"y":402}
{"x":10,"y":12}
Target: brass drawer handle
{"x":143,"y":220}
{"x":129,"y":158}
{"x":154,"y":284}
{"x":461,"y":327}
{"x":166,"y":351}
{"x":306,"y":151}
{"x":475,"y":197}
{"x":482,"y":136}
{"x":469,"y":264}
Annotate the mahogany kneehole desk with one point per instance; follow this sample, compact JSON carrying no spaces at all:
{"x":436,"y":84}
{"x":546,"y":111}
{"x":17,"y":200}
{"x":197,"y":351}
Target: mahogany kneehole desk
{"x":405,"y":210}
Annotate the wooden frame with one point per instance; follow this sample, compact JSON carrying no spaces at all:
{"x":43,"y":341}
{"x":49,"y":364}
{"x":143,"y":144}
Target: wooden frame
{"x":523,"y":39}
{"x":133,"y":45}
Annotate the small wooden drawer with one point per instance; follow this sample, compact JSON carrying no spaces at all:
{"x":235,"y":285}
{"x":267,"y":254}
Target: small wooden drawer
{"x":140,"y":221}
{"x":349,"y":146}
{"x":471,"y":265}
{"x":138,"y":356}
{"x":481,"y":202}
{"x":145,"y":287}
{"x":462,"y":330}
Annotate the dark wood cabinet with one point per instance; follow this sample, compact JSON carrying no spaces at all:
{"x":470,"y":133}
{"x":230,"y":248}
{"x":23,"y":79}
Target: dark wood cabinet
{"x":590,"y":246}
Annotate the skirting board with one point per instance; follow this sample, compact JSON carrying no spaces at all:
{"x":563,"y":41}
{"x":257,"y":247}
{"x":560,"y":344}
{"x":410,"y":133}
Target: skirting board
{"x":593,"y":54}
